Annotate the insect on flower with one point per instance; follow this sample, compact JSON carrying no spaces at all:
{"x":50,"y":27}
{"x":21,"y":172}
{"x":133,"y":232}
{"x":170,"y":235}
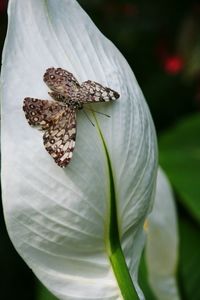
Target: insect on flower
{"x":57,"y":117}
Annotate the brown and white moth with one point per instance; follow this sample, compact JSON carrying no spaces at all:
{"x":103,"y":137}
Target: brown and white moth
{"x":57,"y":117}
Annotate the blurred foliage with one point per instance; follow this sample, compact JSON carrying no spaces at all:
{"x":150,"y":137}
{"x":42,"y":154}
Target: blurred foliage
{"x":180,"y":157}
{"x":189,"y":271}
{"x":161,"y":41}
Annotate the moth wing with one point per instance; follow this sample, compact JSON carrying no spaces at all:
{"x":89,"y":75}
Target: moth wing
{"x":41,"y":113}
{"x":92,"y":91}
{"x":61,"y":82}
{"x":59,"y":138}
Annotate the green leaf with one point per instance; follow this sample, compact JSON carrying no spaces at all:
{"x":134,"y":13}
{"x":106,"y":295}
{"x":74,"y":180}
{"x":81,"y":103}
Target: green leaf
{"x":180,"y":157}
{"x":189,"y":258}
{"x":116,"y":255}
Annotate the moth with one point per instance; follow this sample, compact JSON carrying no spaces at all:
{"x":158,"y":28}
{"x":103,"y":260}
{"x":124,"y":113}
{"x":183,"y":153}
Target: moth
{"x":57,"y":117}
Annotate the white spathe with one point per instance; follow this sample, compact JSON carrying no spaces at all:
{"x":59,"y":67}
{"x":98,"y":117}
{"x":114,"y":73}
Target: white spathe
{"x":57,"y":218}
{"x":162,"y":242}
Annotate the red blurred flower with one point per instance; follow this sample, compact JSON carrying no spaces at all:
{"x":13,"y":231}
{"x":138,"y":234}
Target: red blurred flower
{"x":173,"y":64}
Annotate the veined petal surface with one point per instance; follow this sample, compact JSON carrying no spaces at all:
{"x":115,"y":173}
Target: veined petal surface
{"x":58,"y":219}
{"x":162,"y":242}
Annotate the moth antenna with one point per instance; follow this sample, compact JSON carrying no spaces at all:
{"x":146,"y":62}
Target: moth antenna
{"x":88,"y":118}
{"x":98,"y":112}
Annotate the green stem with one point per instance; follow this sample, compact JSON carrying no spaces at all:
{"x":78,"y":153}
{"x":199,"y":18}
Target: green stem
{"x":113,"y":244}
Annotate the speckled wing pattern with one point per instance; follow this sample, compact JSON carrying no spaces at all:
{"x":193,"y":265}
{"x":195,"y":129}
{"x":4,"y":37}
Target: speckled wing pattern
{"x":59,"y":123}
{"x":62,"y":83}
{"x":59,"y":139}
{"x":57,"y":117}
{"x":91,"y":91}
{"x":67,"y":89}
{"x":41,"y":113}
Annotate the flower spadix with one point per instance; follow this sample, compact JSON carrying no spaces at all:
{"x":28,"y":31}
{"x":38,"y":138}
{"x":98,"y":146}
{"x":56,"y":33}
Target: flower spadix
{"x":68,"y":224}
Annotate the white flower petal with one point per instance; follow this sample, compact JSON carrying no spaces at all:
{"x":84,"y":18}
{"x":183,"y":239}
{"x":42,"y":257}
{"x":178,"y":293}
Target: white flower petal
{"x":162,"y":242}
{"x":58,"y":219}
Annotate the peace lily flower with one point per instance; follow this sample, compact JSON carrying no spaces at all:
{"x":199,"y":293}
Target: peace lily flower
{"x":162,"y":242}
{"x":79,"y":229}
